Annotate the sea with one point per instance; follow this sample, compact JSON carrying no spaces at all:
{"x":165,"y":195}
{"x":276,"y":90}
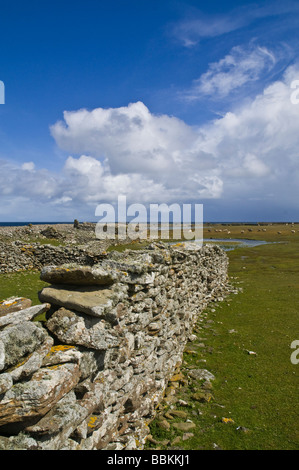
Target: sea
{"x":23,"y":224}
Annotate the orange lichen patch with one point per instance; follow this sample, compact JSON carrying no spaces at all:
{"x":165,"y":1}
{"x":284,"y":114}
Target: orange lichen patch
{"x":99,"y":380}
{"x":227,"y":420}
{"x":14,"y":304}
{"x":177,"y":377}
{"x":92,"y":421}
{"x":60,"y":347}
{"x":7,"y":303}
{"x":137,"y":442}
{"x":54,"y":367}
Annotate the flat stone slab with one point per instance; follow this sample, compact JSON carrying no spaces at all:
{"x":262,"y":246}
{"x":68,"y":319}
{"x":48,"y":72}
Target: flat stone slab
{"x":14,"y":304}
{"x":93,"y":301}
{"x":77,"y":275}
{"x":25,"y":314}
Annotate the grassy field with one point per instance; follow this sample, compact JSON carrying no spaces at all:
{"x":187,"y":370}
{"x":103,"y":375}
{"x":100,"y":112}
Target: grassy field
{"x":257,"y":394}
{"x":21,"y":284}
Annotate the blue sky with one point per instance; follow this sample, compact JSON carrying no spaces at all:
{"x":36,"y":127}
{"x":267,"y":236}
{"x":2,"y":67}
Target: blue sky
{"x":162,"y":101}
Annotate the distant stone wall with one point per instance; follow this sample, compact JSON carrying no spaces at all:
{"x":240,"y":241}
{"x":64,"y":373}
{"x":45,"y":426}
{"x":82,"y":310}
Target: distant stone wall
{"x":92,"y":375}
{"x":20,"y":256}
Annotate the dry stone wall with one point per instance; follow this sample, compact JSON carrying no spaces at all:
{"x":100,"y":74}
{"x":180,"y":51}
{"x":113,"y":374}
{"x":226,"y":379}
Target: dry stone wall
{"x":19,"y":256}
{"x":93,"y":373}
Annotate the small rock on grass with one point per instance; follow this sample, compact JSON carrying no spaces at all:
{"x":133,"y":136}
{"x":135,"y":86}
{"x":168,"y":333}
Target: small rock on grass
{"x":201,"y":374}
{"x":184,"y":426}
{"x":183,"y":403}
{"x":187,"y":436}
{"x":202,"y":397}
{"x":251,"y":353}
{"x":163,"y":424}
{"x":178,"y":414}
{"x":192,"y":338}
{"x":176,"y":440}
{"x":243,"y":429}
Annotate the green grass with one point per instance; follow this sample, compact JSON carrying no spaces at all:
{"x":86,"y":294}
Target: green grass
{"x":21,"y":284}
{"x":259,"y":392}
{"x":128,"y":246}
{"x":47,"y":241}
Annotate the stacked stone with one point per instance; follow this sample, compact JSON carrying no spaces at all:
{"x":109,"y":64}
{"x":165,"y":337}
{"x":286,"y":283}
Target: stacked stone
{"x":114,"y":337}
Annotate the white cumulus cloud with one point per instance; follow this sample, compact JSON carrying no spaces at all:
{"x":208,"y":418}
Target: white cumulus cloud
{"x":130,"y":143}
{"x":250,"y":153}
{"x":253,"y":149}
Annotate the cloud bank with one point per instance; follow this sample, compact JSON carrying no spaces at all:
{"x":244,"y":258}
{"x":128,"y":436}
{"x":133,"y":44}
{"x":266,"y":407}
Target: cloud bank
{"x":250,"y":153}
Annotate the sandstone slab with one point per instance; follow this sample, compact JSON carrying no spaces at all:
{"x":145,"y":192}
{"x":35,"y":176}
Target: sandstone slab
{"x":25,"y":314}
{"x":77,"y":275}
{"x":93,"y":301}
